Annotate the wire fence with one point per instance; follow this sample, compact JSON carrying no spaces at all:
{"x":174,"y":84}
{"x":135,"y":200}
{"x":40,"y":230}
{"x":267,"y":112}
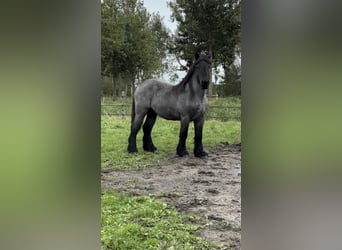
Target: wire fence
{"x":223,"y":109}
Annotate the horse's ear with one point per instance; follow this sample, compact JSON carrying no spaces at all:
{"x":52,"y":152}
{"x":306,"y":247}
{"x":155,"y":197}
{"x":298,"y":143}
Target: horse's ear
{"x":196,"y":55}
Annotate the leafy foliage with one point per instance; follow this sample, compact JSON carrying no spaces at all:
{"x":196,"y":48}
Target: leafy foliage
{"x":129,"y":38}
{"x":211,"y":26}
{"x":231,"y":84}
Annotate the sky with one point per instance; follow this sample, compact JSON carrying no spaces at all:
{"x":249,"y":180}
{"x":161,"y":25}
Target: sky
{"x":161,"y":7}
{"x":164,"y":11}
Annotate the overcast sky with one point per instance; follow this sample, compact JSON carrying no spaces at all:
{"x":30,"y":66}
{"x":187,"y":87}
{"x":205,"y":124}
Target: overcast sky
{"x":161,"y":7}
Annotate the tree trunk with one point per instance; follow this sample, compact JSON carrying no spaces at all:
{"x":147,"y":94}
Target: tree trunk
{"x":113,"y":82}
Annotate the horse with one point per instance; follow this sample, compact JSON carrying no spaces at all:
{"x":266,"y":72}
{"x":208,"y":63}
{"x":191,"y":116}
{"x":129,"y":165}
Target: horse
{"x":185,"y":102}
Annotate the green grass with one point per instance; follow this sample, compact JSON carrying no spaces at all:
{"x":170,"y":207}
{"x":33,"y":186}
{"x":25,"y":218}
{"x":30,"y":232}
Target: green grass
{"x":144,"y":223}
{"x":115,"y":132}
{"x":223,"y":109}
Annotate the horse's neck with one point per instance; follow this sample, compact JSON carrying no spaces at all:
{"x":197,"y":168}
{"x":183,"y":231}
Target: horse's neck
{"x":196,"y":89}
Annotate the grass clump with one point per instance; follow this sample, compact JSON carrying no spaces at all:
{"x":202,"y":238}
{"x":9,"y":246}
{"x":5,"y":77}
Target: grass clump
{"x":144,"y":223}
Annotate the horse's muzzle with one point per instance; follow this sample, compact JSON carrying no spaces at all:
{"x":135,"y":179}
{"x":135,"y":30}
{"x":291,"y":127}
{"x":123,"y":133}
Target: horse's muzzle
{"x":205,"y":84}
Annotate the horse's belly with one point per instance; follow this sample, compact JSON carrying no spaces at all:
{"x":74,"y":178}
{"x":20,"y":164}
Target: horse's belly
{"x":170,"y":117}
{"x":168,"y":113}
{"x":169,"y":109}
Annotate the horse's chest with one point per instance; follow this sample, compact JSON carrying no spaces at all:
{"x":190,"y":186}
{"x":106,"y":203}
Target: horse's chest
{"x":197,"y":110}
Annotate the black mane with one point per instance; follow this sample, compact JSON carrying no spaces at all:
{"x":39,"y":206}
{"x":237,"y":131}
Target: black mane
{"x":191,"y":69}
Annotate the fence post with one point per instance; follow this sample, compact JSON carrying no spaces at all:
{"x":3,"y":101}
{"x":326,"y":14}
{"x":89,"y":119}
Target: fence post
{"x":123,"y":109}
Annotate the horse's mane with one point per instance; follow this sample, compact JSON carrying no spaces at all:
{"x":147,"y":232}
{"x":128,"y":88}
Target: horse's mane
{"x":192,"y":69}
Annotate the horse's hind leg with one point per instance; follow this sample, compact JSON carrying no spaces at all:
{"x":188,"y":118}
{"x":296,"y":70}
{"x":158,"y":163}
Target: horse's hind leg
{"x":147,"y":128}
{"x":135,"y":127}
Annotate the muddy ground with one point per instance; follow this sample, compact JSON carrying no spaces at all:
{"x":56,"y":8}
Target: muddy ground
{"x":207,"y":187}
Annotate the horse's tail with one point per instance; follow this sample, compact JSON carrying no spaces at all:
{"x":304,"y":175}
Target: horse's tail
{"x":133,"y":111}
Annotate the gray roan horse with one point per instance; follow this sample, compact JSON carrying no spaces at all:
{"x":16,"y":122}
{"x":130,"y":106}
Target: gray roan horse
{"x":185,"y":101}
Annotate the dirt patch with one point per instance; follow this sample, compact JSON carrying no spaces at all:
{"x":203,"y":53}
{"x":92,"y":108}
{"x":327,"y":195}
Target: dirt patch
{"x":208,"y":187}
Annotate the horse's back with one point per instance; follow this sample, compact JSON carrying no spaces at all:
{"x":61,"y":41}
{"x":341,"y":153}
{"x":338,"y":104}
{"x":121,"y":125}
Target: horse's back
{"x":159,"y":96}
{"x":152,"y":85}
{"x":150,"y":88}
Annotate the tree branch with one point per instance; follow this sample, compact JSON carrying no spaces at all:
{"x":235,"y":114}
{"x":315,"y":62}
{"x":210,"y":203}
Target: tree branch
{"x":182,"y":66}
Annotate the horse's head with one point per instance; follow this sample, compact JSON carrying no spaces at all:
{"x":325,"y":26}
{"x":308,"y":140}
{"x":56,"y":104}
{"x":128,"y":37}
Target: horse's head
{"x":202,"y":66}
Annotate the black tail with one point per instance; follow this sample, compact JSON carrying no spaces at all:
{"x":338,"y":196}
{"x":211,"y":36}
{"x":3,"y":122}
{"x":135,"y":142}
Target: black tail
{"x":133,"y":111}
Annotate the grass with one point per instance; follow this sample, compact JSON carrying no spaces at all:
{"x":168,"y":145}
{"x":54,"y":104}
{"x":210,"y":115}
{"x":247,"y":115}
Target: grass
{"x":145,"y":223}
{"x":223,"y":109}
{"x":115,"y":132}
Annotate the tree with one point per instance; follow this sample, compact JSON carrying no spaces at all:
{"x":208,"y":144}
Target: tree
{"x":162,"y":41}
{"x":130,"y":36}
{"x":231,"y":84}
{"x":112,"y":35}
{"x":209,"y":26}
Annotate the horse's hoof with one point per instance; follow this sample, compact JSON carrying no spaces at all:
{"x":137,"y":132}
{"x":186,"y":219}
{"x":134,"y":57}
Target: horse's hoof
{"x":202,"y":154}
{"x":182,"y":154}
{"x":150,"y":149}
{"x":132,"y":150}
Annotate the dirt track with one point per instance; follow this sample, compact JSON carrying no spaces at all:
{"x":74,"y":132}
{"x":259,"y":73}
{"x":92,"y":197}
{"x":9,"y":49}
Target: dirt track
{"x":208,"y":187}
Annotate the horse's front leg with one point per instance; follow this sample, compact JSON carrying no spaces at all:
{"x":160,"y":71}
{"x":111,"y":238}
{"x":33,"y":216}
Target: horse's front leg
{"x":198,"y":150}
{"x":183,"y":134}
